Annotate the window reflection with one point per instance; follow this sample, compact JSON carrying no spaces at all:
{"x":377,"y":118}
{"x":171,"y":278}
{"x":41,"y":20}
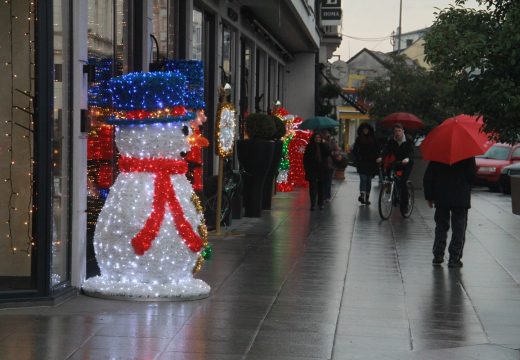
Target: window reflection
{"x":163,"y":28}
{"x":108,"y":52}
{"x":60,"y":146}
{"x":197,"y":35}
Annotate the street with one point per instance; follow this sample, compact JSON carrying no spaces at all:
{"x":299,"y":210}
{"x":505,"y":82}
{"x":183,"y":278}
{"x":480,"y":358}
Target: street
{"x":295,"y":284}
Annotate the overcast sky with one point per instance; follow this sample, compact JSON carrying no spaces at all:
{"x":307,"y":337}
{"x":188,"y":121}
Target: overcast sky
{"x":376,"y":19}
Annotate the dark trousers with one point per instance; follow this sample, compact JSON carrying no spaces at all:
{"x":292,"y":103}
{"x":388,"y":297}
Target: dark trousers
{"x":365,"y":183}
{"x":459,"y":220}
{"x":328,"y":187}
{"x":317,"y":189}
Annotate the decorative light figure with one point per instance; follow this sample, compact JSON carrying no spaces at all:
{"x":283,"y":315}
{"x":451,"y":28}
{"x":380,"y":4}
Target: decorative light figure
{"x":150,"y":237}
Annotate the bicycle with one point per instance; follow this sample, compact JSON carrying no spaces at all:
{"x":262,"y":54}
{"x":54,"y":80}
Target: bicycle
{"x":390,"y":194}
{"x":232,"y":182}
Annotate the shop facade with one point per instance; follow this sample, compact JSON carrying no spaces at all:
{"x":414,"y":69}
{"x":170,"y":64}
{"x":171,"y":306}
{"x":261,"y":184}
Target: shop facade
{"x":57,"y":156}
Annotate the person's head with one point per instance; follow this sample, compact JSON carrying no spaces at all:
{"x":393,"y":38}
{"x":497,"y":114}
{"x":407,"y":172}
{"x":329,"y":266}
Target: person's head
{"x":398,"y":131}
{"x":317,"y":137}
{"x":365,"y":129}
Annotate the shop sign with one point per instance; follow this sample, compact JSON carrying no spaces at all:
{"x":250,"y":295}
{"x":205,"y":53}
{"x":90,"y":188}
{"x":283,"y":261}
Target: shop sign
{"x":330,"y":16}
{"x":330,"y":4}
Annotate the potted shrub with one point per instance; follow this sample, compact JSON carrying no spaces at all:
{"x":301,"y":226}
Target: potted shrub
{"x":255,"y":156}
{"x":279,"y":133}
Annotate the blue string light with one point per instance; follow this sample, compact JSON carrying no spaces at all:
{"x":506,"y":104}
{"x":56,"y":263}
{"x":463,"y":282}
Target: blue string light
{"x":194,"y":72}
{"x":149,"y":92}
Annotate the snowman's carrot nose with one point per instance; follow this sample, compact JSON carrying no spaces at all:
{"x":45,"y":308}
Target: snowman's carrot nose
{"x":164,"y":193}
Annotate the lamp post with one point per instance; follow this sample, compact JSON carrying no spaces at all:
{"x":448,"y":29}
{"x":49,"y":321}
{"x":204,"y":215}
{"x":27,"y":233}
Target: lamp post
{"x":399,"y":29}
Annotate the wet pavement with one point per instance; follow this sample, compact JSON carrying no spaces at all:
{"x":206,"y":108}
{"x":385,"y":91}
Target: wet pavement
{"x":295,"y":284}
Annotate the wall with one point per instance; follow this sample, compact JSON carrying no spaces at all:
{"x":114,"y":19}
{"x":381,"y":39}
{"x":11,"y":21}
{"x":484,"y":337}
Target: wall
{"x":300,"y":86}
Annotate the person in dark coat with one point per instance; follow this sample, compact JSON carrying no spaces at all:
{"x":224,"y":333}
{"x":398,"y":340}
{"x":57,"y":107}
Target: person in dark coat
{"x":366,"y":152}
{"x":400,"y":148}
{"x":316,"y":165}
{"x":448,"y":188}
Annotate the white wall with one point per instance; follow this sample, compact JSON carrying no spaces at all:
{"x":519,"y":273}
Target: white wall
{"x":300,"y":93}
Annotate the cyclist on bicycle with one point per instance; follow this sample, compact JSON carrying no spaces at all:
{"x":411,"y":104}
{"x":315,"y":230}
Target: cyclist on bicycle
{"x":400,"y":148}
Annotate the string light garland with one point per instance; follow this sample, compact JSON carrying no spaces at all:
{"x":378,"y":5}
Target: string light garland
{"x":150,"y":236}
{"x":19,"y":130}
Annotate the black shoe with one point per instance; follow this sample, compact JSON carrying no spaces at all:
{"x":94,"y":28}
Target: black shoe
{"x":455,"y":264}
{"x":437,"y":260}
{"x":361,"y":199}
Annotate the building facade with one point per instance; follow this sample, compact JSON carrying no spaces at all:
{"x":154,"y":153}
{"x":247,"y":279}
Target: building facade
{"x":57,"y":156}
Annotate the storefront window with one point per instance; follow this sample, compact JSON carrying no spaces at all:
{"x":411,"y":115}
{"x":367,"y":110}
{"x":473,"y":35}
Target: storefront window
{"x":163,"y":22}
{"x":260,"y":81}
{"x":61,"y":146}
{"x":197,"y":36}
{"x":245,"y":83}
{"x":281,"y":71}
{"x":17,"y":90}
{"x":227,"y":65}
{"x":272,"y":82}
{"x":108,"y":54}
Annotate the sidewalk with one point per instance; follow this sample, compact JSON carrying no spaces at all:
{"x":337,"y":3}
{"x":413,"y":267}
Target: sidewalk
{"x":295,"y":284}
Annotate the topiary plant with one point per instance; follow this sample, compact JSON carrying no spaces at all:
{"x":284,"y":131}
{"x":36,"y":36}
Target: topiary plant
{"x":280,"y":127}
{"x":260,"y":126}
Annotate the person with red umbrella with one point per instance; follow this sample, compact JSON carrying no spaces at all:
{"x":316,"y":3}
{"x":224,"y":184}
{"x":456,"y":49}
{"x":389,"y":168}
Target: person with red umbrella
{"x":451,"y":149}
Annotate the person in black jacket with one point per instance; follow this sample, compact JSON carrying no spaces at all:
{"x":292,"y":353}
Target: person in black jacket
{"x":400,"y":148}
{"x":316,"y":165}
{"x":366,"y":152}
{"x":448,"y":188}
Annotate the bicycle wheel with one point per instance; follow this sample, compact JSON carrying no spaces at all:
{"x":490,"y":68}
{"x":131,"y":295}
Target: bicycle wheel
{"x":406,"y":212}
{"x":385,"y":205}
{"x":210,"y":209}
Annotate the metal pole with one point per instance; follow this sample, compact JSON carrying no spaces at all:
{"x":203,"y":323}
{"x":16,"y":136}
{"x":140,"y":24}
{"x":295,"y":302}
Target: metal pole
{"x":399,"y":29}
{"x":219,"y":194}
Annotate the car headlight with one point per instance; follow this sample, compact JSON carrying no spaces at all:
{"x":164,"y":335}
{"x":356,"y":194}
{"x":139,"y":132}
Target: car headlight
{"x":487,"y":169}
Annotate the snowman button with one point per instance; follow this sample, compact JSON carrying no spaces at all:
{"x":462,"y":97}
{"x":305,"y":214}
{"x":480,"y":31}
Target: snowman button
{"x":185,"y":130}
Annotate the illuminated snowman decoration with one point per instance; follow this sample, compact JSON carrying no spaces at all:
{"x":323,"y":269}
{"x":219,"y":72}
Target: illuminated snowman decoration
{"x":150,"y":237}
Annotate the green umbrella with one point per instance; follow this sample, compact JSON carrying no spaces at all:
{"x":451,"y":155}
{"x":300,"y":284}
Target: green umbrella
{"x":318,"y":122}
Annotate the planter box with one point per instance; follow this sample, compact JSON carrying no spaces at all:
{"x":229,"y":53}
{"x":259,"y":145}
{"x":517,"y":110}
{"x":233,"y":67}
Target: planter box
{"x":515,"y":194}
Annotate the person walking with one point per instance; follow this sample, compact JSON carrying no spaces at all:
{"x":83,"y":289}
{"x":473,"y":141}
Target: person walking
{"x":366,"y":152}
{"x":448,"y":188}
{"x":315,"y":164}
{"x":334,"y":152}
{"x":400,"y":148}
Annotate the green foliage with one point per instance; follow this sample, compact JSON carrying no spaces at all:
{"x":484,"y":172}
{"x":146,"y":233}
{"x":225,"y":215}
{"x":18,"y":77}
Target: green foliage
{"x":483,"y":59}
{"x":280,"y":127}
{"x":260,"y":126}
{"x":329,"y":91}
{"x":409,"y":88}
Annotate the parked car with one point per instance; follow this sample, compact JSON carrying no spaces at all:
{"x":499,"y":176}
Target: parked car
{"x":505,"y":177}
{"x":490,"y":165}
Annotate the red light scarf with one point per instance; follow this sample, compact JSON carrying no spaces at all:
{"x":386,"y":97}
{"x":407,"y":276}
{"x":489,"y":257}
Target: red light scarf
{"x":164,"y":193}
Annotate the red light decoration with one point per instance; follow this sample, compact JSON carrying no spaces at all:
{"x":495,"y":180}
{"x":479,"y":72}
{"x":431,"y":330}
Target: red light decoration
{"x":164,"y":194}
{"x":296,"y":150}
{"x":104,"y":179}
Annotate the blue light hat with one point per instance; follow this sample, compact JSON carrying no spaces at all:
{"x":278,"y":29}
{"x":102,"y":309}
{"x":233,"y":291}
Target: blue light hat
{"x":194,"y":72}
{"x":151,"y":97}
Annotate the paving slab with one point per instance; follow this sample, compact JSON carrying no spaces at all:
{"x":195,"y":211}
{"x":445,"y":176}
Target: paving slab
{"x":333,"y":284}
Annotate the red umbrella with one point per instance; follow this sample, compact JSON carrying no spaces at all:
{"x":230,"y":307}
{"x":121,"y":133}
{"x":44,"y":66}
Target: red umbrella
{"x":409,"y":121}
{"x":456,"y":139}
